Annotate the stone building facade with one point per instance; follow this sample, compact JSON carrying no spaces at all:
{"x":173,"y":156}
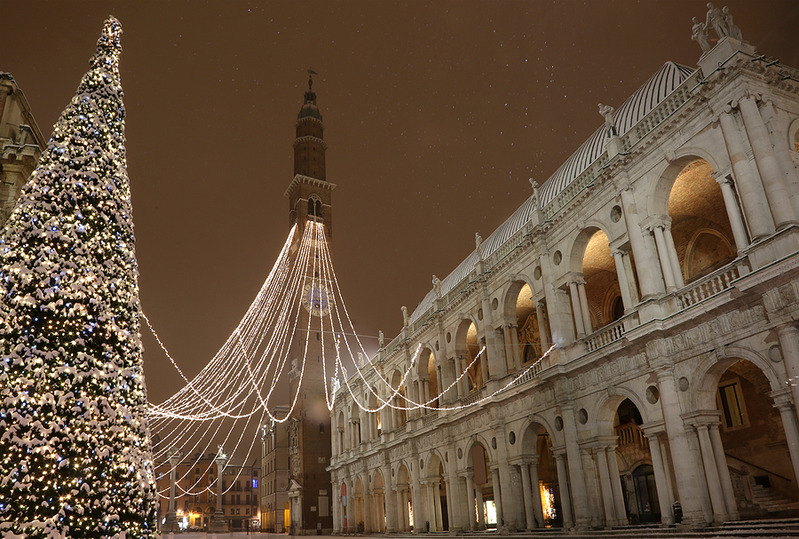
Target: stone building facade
{"x":196,"y":487}
{"x":21,"y":143}
{"x":662,"y":260}
{"x":275,"y":474}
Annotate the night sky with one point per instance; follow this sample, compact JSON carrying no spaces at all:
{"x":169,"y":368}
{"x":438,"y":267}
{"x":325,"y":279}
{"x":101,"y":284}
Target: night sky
{"x":436,"y":115}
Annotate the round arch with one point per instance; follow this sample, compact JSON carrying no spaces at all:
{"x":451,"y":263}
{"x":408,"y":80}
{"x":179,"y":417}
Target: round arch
{"x":711,"y":368}
{"x":659,"y":191}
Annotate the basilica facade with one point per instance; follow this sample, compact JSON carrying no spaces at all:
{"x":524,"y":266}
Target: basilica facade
{"x":657,"y":275}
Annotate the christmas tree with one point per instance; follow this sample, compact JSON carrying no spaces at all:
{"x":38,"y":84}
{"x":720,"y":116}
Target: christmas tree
{"x":75,"y":454}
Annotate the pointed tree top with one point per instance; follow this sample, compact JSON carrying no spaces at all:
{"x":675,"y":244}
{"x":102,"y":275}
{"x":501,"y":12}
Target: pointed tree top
{"x":109,"y":46}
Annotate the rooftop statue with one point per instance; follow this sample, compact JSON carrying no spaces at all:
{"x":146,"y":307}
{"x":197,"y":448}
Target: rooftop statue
{"x":735,"y":32}
{"x":608,"y":113}
{"x":699,"y":34}
{"x":715,"y":18}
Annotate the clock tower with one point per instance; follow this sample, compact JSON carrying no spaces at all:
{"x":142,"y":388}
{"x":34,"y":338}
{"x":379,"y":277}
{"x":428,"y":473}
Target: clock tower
{"x":309,"y":194}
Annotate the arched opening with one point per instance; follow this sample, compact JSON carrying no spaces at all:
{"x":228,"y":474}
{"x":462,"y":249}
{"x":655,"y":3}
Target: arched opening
{"x":700,"y":227}
{"x":468,"y":347}
{"x":437,"y":518}
{"x":482,"y":482}
{"x":355,"y":426}
{"x":358,"y":506}
{"x":754,"y":443}
{"x":428,"y":378}
{"x":532,"y":326}
{"x":379,"y":502}
{"x":404,"y":500}
{"x":634,"y":461}
{"x":340,"y":432}
{"x":542,"y":499}
{"x":601,"y":281}
{"x":400,"y":414}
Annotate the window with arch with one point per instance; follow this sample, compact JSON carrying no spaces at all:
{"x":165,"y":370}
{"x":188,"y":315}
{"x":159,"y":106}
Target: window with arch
{"x":314,"y":207}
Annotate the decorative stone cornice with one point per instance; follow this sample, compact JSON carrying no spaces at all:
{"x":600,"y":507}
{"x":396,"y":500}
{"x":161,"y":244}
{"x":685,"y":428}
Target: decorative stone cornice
{"x":299,"y":179}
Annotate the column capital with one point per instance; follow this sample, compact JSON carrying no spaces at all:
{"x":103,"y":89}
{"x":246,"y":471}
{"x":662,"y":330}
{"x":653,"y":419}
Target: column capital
{"x":702,"y":419}
{"x":782,"y":398}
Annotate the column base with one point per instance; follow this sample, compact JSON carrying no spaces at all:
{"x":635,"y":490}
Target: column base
{"x":171,"y":524}
{"x":218,"y":523}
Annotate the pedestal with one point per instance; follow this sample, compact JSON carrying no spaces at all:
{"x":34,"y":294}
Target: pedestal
{"x":218,"y":523}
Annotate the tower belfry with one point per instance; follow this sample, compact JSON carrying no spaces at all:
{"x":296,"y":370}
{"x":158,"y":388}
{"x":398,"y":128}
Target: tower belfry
{"x":309,"y":195}
{"x":309,"y":192}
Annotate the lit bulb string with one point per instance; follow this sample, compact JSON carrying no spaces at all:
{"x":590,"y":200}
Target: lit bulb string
{"x":243,"y":339}
{"x":238,"y":338}
{"x":217,"y":428}
{"x":395,"y":391}
{"x":155,"y":409}
{"x":413,"y":404}
{"x":328,"y":268}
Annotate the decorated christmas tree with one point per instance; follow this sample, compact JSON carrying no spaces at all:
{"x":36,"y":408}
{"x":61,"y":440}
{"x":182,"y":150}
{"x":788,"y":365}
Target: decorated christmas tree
{"x":75,"y":455}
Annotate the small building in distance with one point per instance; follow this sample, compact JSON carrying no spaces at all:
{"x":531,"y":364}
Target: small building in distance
{"x":273,"y":488}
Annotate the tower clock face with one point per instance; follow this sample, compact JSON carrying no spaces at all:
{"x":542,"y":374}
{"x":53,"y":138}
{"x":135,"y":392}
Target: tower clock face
{"x":315,"y":299}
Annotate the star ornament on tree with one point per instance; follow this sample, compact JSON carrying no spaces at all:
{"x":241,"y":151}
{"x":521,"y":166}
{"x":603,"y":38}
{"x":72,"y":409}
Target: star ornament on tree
{"x":75,"y":452}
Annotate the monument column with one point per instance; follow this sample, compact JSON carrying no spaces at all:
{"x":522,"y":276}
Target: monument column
{"x":218,"y":522}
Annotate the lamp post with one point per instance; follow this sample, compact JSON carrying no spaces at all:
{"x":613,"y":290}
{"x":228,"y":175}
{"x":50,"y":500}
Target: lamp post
{"x":218,"y":523}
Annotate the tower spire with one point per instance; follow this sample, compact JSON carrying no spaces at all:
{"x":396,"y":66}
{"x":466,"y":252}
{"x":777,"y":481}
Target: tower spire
{"x":309,"y":191}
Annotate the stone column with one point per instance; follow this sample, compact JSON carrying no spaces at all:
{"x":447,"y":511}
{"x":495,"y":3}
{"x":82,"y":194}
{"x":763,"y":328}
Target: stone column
{"x":392,"y":518}
{"x":584,"y":306}
{"x":171,"y":515}
{"x":481,"y":516}
{"x":607,"y":491}
{"x":649,"y":275}
{"x":733,"y":212}
{"x":683,"y":458}
{"x":453,"y":518}
{"x":542,"y":326}
{"x":624,"y":285}
{"x":788,"y":335}
{"x":563,"y":490}
{"x":537,"y":505}
{"x":663,"y":255}
{"x":711,"y":474}
{"x":498,"y":496}
{"x":368,"y":504}
{"x":218,"y":522}
{"x":463,"y":387}
{"x":782,"y":402}
{"x":470,"y":500}
{"x":723,"y":471}
{"x":577,"y":485}
{"x":514,"y":340}
{"x":753,"y":197}
{"x":672,"y":250}
{"x":631,"y":280}
{"x":437,"y":506}
{"x":766,"y":161}
{"x":778,"y":131}
{"x":615,"y":485}
{"x":431,"y":511}
{"x":402,"y":508}
{"x":484,"y":360}
{"x":510,"y":359}
{"x":527,"y":492}
{"x":667,"y":469}
{"x":577,"y":311}
{"x":664,"y":501}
